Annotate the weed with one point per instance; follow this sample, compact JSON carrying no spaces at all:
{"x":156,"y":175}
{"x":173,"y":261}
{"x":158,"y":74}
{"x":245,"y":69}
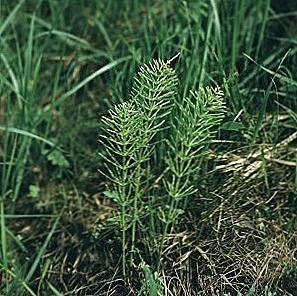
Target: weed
{"x":130,"y":142}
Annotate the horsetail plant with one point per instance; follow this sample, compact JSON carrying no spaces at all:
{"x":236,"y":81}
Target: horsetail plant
{"x":131,"y":139}
{"x":133,"y":131}
{"x":153,"y":93}
{"x":121,"y":143}
{"x":193,"y":127}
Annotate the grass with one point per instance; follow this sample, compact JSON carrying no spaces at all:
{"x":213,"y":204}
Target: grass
{"x":66,"y":65}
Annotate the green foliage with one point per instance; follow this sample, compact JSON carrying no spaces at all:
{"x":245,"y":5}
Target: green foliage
{"x":131,"y":129}
{"x":34,"y":191}
{"x":150,"y":285}
{"x":56,"y":158}
{"x":193,"y":129}
{"x":129,"y":142}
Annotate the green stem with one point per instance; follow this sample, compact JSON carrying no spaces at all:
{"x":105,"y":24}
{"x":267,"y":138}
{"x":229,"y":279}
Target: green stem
{"x":168,"y":222}
{"x":3,"y":236}
{"x":123,"y":240}
{"x":135,"y":211}
{"x":172,"y":209}
{"x":123,"y":214}
{"x":162,"y":245}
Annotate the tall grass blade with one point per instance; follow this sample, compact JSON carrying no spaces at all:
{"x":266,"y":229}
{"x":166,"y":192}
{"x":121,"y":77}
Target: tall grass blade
{"x":10,"y":17}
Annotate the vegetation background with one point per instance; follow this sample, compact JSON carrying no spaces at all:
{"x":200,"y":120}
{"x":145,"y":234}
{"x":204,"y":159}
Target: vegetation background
{"x":64,"y":64}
